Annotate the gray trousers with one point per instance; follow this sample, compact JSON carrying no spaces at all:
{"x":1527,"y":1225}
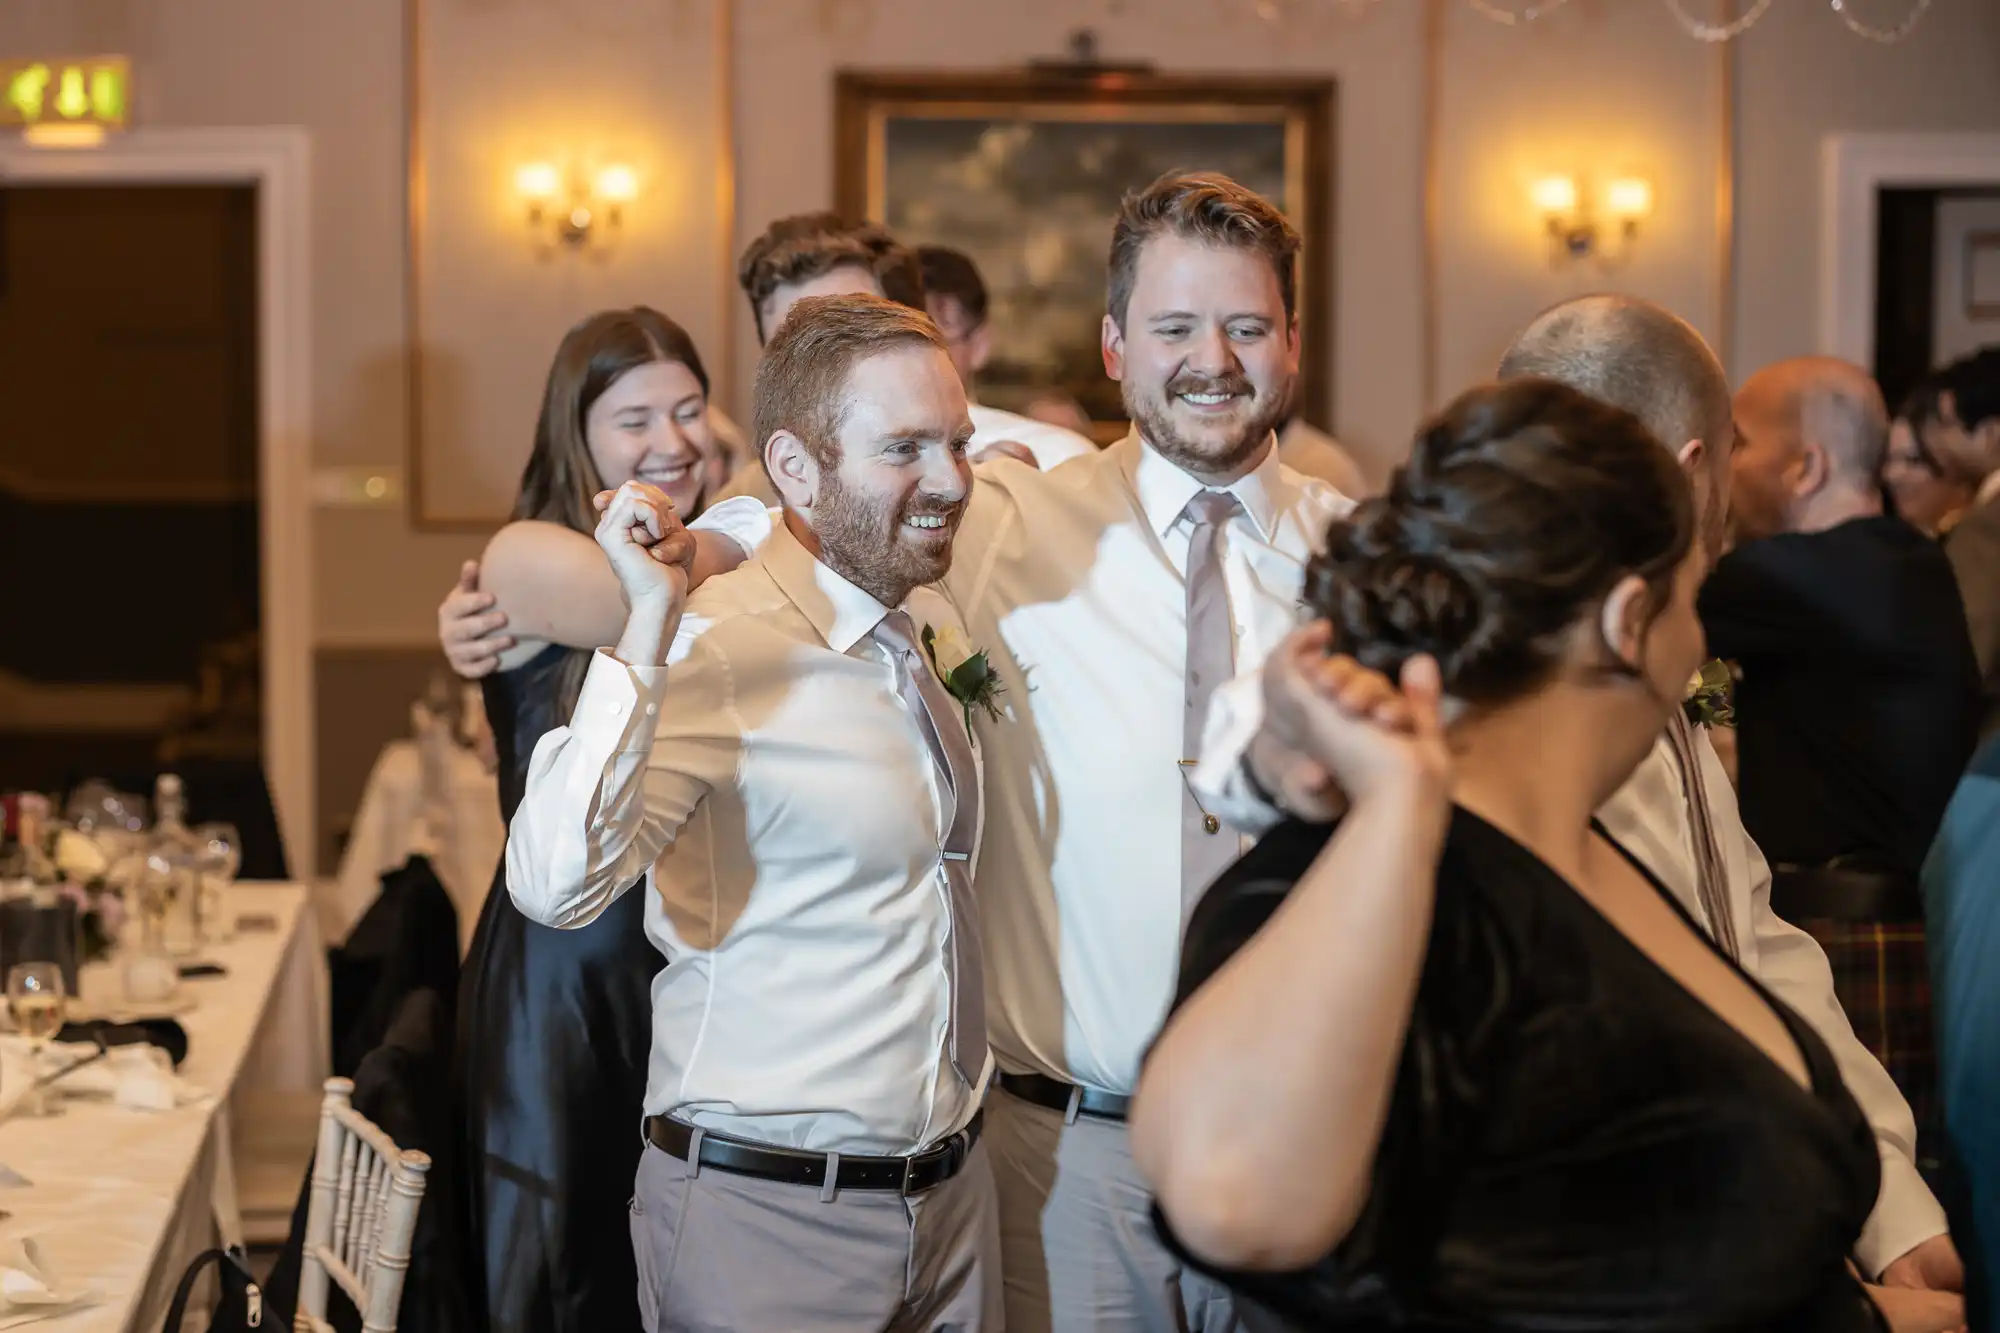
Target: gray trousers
{"x":1077,"y":1243}
{"x":723,"y":1253}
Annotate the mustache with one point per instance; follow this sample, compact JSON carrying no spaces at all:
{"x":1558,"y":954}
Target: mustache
{"x":922,"y":508}
{"x":1233,"y":384}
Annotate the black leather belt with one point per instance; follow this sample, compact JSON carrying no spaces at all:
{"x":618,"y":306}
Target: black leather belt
{"x":794,"y":1166}
{"x":1057,"y":1095}
{"x":1845,"y":893}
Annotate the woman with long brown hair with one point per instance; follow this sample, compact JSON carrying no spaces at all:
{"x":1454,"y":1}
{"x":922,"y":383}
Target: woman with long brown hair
{"x":556,"y":1025}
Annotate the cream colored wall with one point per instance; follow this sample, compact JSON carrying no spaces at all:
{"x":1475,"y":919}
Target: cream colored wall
{"x":578,"y":86}
{"x":1593,"y":91}
{"x":1601,"y":87}
{"x":1803,"y":76}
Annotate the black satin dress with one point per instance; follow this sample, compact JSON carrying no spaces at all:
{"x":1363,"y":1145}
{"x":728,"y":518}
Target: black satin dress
{"x":1574,"y":1141}
{"x":555,"y":1030}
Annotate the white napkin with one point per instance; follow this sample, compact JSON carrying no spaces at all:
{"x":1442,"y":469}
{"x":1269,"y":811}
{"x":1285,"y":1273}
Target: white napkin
{"x":29,"y":1288}
{"x":137,"y":1078}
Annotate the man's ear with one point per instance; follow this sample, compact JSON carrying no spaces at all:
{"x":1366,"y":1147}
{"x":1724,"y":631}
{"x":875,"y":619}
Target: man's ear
{"x":1692,"y":456}
{"x":1113,"y":347}
{"x":980,"y":346}
{"x":1812,"y":470}
{"x":793,"y":470}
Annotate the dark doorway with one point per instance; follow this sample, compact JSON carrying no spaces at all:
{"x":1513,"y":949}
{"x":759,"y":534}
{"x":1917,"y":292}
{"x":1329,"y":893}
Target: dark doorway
{"x":129,"y":484}
{"x":1909,"y":250}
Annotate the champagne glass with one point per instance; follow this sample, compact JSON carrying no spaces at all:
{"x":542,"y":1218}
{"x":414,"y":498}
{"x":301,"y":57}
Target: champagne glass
{"x":35,"y":999}
{"x":218,"y":856}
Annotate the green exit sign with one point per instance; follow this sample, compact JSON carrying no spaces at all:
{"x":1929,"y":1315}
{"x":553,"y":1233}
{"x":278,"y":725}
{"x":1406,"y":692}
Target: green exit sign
{"x":96,"y":92}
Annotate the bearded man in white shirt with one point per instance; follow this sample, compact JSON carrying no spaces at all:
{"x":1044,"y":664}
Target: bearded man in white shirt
{"x":1112,"y":595}
{"x":1678,"y":812}
{"x":786,"y":769}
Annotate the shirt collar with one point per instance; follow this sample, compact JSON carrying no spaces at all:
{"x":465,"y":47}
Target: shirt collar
{"x":842,"y":614}
{"x":1164,"y":489}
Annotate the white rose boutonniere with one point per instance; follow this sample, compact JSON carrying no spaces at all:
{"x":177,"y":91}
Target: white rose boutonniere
{"x":1709,"y":701}
{"x":966,"y":673}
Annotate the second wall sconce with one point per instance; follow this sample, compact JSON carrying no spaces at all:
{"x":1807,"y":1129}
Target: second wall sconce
{"x":1577,"y":231}
{"x":570,"y":213}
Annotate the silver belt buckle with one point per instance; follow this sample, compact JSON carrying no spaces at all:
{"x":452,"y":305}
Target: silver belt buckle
{"x":909,"y":1170}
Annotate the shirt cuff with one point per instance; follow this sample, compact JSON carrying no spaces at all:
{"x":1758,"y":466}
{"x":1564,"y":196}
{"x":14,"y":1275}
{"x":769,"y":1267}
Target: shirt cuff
{"x":1906,"y":1215}
{"x":618,"y":708}
{"x":742,"y":518}
{"x":1235,"y":717}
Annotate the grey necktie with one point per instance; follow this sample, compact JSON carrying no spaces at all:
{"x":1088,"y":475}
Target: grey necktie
{"x":1711,"y":876}
{"x":942,"y":722}
{"x":1206,"y":847}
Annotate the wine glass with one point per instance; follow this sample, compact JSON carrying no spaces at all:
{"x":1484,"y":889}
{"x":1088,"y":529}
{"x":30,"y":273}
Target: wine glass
{"x":218,"y":856}
{"x":35,"y":1000}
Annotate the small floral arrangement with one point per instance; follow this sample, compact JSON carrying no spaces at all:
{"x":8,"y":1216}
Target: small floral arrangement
{"x":1710,"y":696}
{"x":965,"y":671}
{"x":53,"y":856}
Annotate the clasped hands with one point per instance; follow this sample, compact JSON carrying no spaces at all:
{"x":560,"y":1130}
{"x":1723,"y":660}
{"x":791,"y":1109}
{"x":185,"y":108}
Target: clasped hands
{"x":1337,"y":732}
{"x":650,"y":550}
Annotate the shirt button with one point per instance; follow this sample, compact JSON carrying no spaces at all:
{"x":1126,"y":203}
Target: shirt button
{"x":651,"y":709}
{"x":614,"y":708}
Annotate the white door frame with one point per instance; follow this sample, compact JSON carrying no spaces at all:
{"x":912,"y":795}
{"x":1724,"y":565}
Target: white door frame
{"x":1852,"y":168}
{"x":277,"y":161}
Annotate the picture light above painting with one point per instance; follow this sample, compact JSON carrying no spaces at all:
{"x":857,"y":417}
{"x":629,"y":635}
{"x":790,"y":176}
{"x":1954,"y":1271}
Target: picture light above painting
{"x":1024,"y":172}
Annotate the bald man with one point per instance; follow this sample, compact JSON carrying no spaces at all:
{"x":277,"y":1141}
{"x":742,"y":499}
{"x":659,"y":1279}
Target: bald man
{"x":1859,"y":683}
{"x":1858,"y":705}
{"x":1677,"y":812}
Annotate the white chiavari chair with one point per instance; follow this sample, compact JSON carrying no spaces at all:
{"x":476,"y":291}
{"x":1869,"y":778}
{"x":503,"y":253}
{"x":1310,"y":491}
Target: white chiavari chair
{"x":361,"y":1218}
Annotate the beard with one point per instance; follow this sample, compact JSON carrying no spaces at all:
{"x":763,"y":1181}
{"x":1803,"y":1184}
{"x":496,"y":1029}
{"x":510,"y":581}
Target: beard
{"x":1226,"y":446}
{"x":874,"y":550}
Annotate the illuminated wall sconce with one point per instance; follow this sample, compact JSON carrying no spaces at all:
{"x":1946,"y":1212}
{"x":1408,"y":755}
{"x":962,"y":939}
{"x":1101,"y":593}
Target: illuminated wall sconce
{"x":571,"y":215}
{"x":1575,"y":229}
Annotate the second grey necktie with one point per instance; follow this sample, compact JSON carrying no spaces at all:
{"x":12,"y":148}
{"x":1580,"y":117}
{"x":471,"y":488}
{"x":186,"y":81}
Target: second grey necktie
{"x":1711,"y":875}
{"x":942,"y":722}
{"x":1207,"y":848}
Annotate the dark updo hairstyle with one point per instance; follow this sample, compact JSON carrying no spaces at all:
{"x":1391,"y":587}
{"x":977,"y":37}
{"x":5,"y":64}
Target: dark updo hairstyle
{"x":1522,"y":506}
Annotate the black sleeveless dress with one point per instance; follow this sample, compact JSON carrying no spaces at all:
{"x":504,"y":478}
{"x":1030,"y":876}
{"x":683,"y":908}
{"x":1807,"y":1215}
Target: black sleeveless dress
{"x":1574,"y":1141}
{"x":555,"y":1031}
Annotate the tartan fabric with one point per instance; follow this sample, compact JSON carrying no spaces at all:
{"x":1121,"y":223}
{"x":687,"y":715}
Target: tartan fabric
{"x":1881,"y":974}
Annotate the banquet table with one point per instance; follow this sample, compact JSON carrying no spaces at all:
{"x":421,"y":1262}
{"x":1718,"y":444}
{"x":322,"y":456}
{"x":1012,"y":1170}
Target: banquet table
{"x":390,"y":825}
{"x":120,"y":1200}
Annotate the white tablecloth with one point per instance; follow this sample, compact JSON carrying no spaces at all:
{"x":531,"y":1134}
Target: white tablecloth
{"x":122,"y":1200}
{"x":389,"y":826}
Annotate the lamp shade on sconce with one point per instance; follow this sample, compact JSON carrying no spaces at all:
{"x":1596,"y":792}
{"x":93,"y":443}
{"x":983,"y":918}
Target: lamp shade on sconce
{"x":1555,"y":196}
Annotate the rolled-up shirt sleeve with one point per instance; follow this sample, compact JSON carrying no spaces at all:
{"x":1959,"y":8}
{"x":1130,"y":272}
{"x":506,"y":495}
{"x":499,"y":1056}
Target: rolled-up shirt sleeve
{"x":1235,"y":716}
{"x":607,"y":794}
{"x":744,"y":519}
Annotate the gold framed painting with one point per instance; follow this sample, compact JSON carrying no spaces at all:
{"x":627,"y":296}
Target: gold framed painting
{"x":1024,"y":172}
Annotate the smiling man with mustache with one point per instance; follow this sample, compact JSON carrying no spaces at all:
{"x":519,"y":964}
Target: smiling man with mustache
{"x":1111,"y":596}
{"x":785,"y":770}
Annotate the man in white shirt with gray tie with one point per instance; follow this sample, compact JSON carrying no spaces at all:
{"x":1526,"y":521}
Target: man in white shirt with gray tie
{"x":1113,"y":594}
{"x":788,"y":772}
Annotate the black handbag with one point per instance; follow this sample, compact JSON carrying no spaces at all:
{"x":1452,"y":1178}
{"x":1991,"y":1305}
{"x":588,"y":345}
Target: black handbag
{"x":242,"y":1303}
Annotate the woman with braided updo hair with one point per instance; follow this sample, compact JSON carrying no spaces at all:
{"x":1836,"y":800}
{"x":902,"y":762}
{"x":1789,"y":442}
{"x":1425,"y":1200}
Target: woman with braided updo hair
{"x":1457,"y":1061}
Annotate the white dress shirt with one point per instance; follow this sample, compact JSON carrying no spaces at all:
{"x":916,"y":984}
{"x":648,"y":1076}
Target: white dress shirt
{"x":1072,"y":578}
{"x":1049,"y":444}
{"x":1649,"y":817}
{"x":783,"y":801}
{"x":1072,"y":581}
